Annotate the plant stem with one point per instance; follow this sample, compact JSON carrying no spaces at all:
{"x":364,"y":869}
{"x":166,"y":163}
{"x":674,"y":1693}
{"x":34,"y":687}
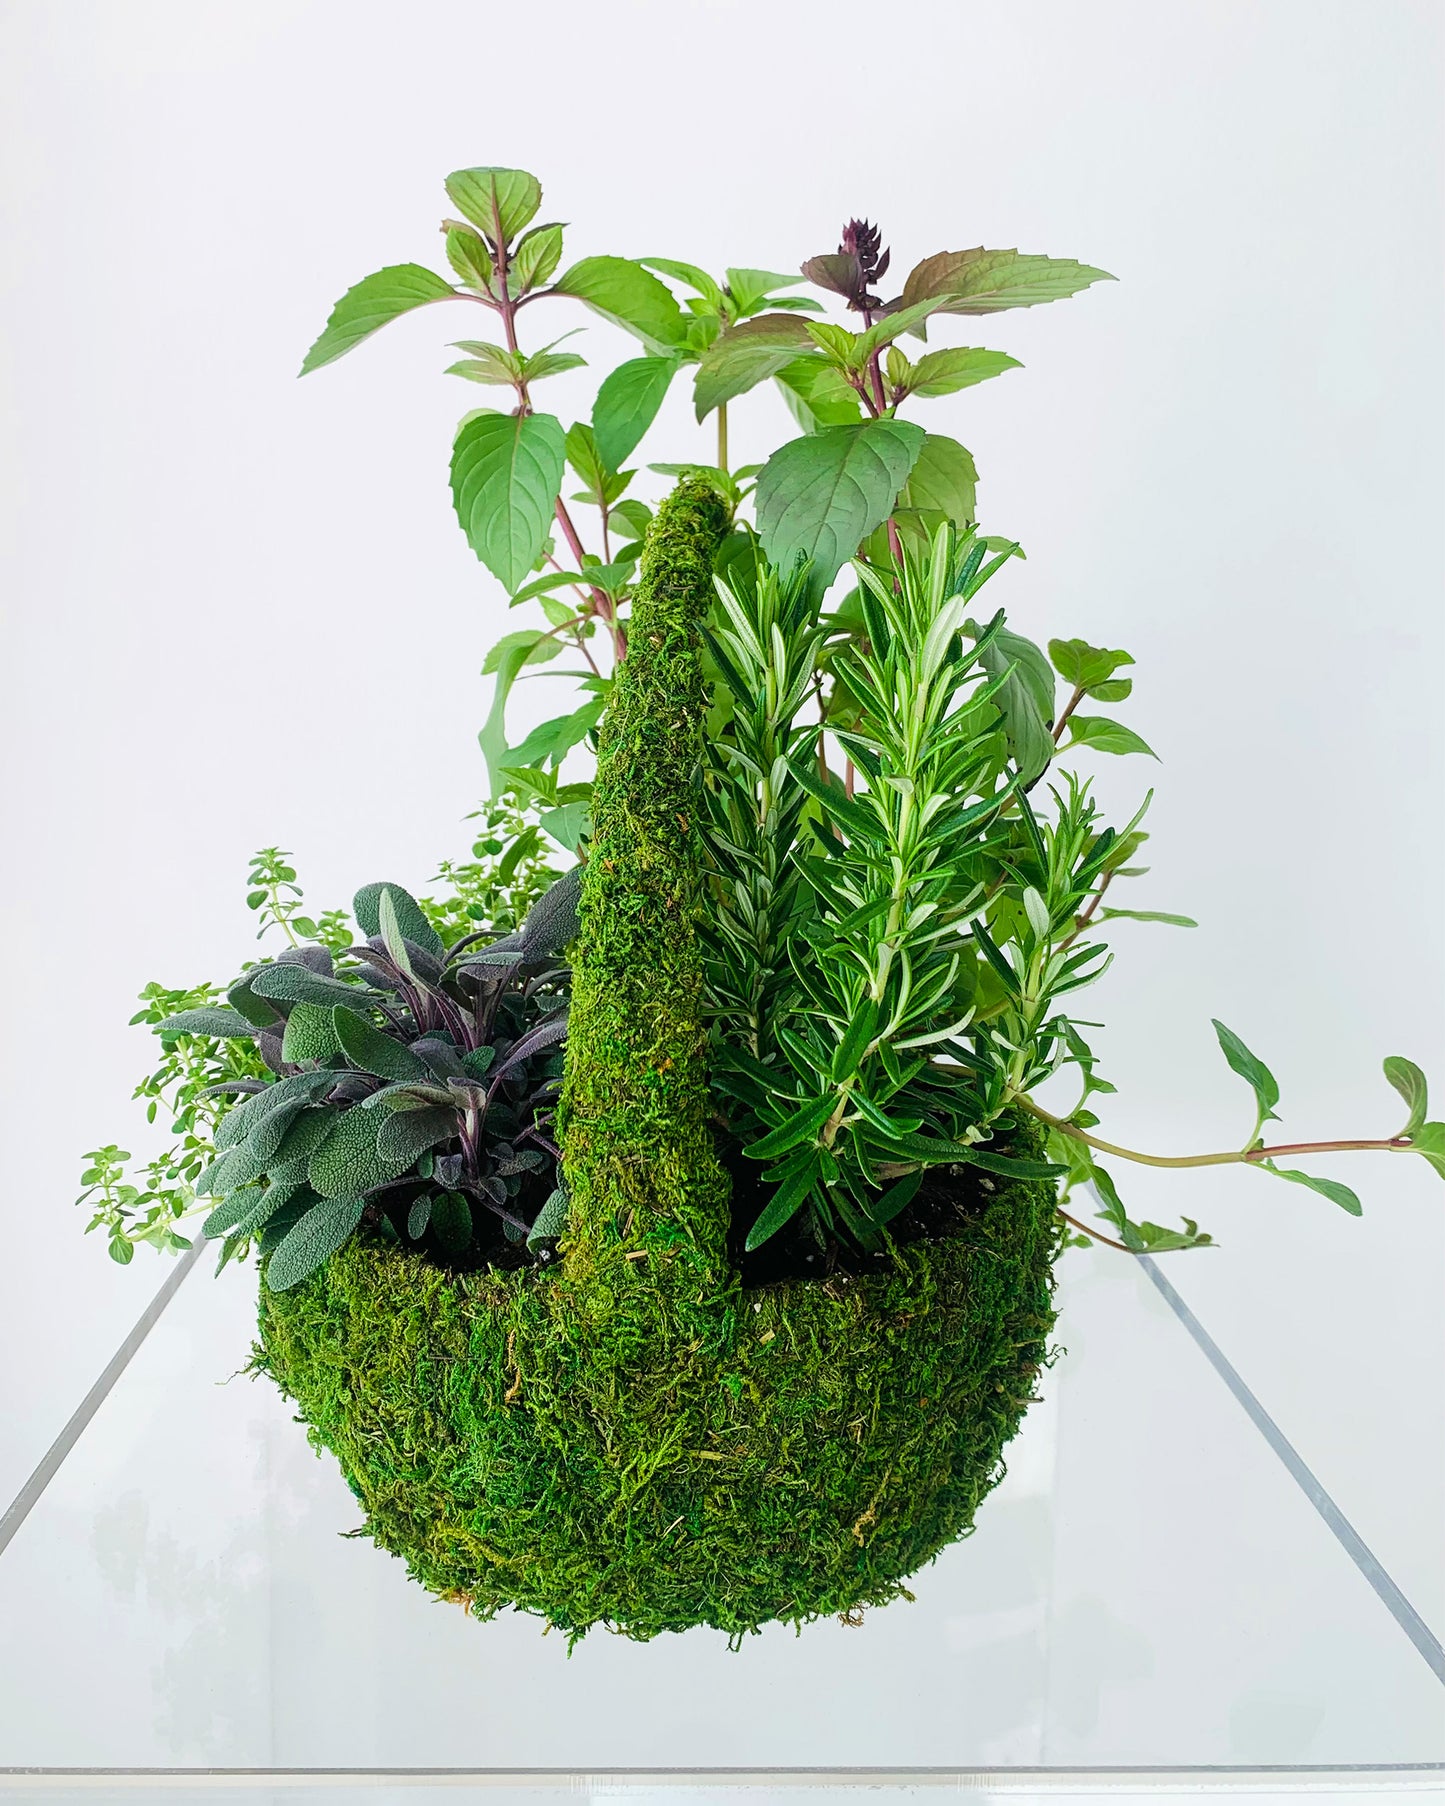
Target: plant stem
{"x":600,"y":599}
{"x":875,"y":373}
{"x":1086,"y":915}
{"x":877,"y":376}
{"x":1095,"y":1235}
{"x":722,"y":436}
{"x":1235,"y":1157}
{"x":1069,"y":707}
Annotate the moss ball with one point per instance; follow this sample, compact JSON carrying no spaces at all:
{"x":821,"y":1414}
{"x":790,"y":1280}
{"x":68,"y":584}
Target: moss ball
{"x":657,"y":1457}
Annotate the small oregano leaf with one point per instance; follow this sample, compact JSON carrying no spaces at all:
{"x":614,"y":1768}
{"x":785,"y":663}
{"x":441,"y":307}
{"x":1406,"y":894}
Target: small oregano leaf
{"x":1327,"y":1188}
{"x":1409,"y":1081}
{"x":1107,"y":736}
{"x":1252,"y":1070}
{"x":1429,"y":1140}
{"x":1083,"y":665}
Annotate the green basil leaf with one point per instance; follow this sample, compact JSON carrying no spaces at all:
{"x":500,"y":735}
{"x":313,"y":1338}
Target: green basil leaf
{"x":536,"y":257}
{"x":370,"y":304}
{"x":818,"y":394}
{"x":746,"y":355}
{"x":568,"y":825}
{"x":820,"y":496}
{"x":944,"y":372}
{"x":469,"y":257}
{"x":498,"y":201}
{"x":1024,"y":698}
{"x":627,"y":404}
{"x":624,"y":293}
{"x":1083,"y":665}
{"x":986,"y":282}
{"x":506,"y":476}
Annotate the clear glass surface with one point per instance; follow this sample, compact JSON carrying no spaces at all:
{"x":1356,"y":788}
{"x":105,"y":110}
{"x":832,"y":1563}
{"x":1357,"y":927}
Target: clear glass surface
{"x":1147,"y":1588}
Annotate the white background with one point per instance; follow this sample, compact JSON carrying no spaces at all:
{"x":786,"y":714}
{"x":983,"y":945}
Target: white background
{"x":239,"y":611}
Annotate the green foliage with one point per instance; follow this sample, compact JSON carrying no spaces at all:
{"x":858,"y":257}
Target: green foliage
{"x":945,"y":372}
{"x":371,"y":304}
{"x":195,"y":1077}
{"x":206,"y":1065}
{"x":746,"y":355}
{"x":624,"y":294}
{"x":1106,"y":736}
{"x":1255,"y":1074}
{"x":273,"y":893}
{"x":826,"y":500}
{"x":887,"y":947}
{"x":819,"y":497}
{"x":850,"y":1044}
{"x":506,"y":476}
{"x":313,"y":1238}
{"x":441,"y":1064}
{"x":985,"y":282}
{"x":627,"y":404}
{"x":1409,"y":1081}
{"x":498,"y":202}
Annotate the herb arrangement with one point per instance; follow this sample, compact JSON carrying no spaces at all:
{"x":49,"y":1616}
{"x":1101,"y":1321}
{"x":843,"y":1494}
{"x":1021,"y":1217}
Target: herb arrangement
{"x":832,"y":896}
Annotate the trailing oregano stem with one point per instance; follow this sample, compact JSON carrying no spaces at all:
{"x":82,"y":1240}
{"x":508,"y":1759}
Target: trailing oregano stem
{"x":1251,"y":1156}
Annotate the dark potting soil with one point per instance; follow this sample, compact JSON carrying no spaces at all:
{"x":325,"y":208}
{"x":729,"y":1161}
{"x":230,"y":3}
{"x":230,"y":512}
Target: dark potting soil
{"x":947,"y":1198}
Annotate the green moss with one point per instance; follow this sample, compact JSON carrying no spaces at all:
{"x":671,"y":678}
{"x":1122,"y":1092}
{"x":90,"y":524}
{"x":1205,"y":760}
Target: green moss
{"x":640,"y":1163}
{"x":629,"y":1438}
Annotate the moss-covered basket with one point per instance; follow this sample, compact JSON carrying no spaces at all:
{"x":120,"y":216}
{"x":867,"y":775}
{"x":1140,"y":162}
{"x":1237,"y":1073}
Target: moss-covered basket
{"x":629,"y":1437}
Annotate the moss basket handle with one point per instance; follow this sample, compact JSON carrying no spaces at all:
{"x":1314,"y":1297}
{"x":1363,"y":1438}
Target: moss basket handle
{"x":648,"y":1196}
